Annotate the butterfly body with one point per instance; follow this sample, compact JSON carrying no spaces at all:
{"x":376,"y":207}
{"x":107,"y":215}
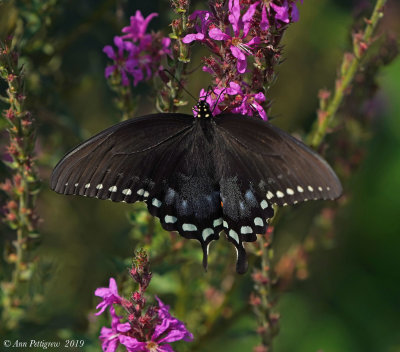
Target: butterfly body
{"x":200,"y":175}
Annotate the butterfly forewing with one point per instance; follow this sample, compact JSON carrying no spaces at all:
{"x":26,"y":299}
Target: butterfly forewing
{"x":102,"y":164}
{"x":285,"y":170}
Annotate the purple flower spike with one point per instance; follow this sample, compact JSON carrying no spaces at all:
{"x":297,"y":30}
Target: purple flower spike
{"x":169,"y":329}
{"x":146,"y":330}
{"x":109,"y":295}
{"x":241,"y":26}
{"x":119,"y":58}
{"x":139,"y":54}
{"x":137,"y":29}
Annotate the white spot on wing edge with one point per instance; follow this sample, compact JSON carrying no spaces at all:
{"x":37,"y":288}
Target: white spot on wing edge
{"x":113,"y":189}
{"x":264,"y":204}
{"x":189,"y":227}
{"x":310,"y":188}
{"x":289,"y":191}
{"x":258,"y":222}
{"x":246,"y":229}
{"x":300,"y":189}
{"x":279,"y":194}
{"x":206,"y":233}
{"x":217,"y":222}
{"x":225,"y":224}
{"x":320,"y":188}
{"x":127,"y":191}
{"x":157,"y":203}
{"x":99,"y":186}
{"x":170,"y":219}
{"x":234,"y":235}
{"x":87,"y":185}
{"x":270,"y":195}
{"x":140,"y":192}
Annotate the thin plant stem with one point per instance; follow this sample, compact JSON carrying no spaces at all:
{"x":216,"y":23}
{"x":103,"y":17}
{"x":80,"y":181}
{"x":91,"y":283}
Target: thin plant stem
{"x":350,"y":66}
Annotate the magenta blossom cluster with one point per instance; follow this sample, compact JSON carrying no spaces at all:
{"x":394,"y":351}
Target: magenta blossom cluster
{"x":151,"y":329}
{"x":138,"y":54}
{"x":236,"y":34}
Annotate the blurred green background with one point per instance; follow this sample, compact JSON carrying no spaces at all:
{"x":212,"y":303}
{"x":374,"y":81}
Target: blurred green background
{"x":350,"y":302}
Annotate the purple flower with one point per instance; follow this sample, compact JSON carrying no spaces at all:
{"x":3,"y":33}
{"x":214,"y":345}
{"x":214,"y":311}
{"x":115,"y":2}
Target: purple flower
{"x":152,"y":330}
{"x":122,"y":64}
{"x":109,"y":295}
{"x":239,"y":44}
{"x":138,"y":26}
{"x":248,"y":102}
{"x":110,"y":336}
{"x":282,"y":12}
{"x":243,"y":103}
{"x":138,"y":54}
{"x":204,"y":17}
{"x":169,"y":329}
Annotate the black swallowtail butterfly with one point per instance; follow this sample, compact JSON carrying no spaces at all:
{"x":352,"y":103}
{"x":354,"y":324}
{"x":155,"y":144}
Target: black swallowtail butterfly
{"x":199,"y":175}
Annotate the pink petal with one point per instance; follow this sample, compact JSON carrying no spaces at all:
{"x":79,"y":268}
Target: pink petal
{"x":234,"y":17}
{"x":247,"y":18}
{"x":199,"y":13}
{"x":260,"y":110}
{"x":124,"y":327}
{"x":234,"y":89}
{"x":295,"y":13}
{"x":236,"y":52}
{"x":148,"y":19}
{"x":255,"y":40}
{"x":132,"y":344}
{"x":191,"y":37}
{"x":109,"y":51}
{"x":176,"y":335}
{"x":241,"y":66}
{"x":207,"y":69}
{"x":217,"y":34}
{"x":260,"y":97}
{"x":113,"y":286}
{"x":282,"y":12}
{"x":165,"y":348}
{"x":264,"y":24}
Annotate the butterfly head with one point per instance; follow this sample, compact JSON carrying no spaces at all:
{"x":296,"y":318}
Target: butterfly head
{"x":203,"y":109}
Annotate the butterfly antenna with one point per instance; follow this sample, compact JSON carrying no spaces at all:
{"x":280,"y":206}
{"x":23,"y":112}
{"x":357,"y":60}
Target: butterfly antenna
{"x":180,"y":84}
{"x":216,"y":104}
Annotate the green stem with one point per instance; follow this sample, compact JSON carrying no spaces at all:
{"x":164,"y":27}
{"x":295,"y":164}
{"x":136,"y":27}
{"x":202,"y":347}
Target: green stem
{"x":350,"y":67}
